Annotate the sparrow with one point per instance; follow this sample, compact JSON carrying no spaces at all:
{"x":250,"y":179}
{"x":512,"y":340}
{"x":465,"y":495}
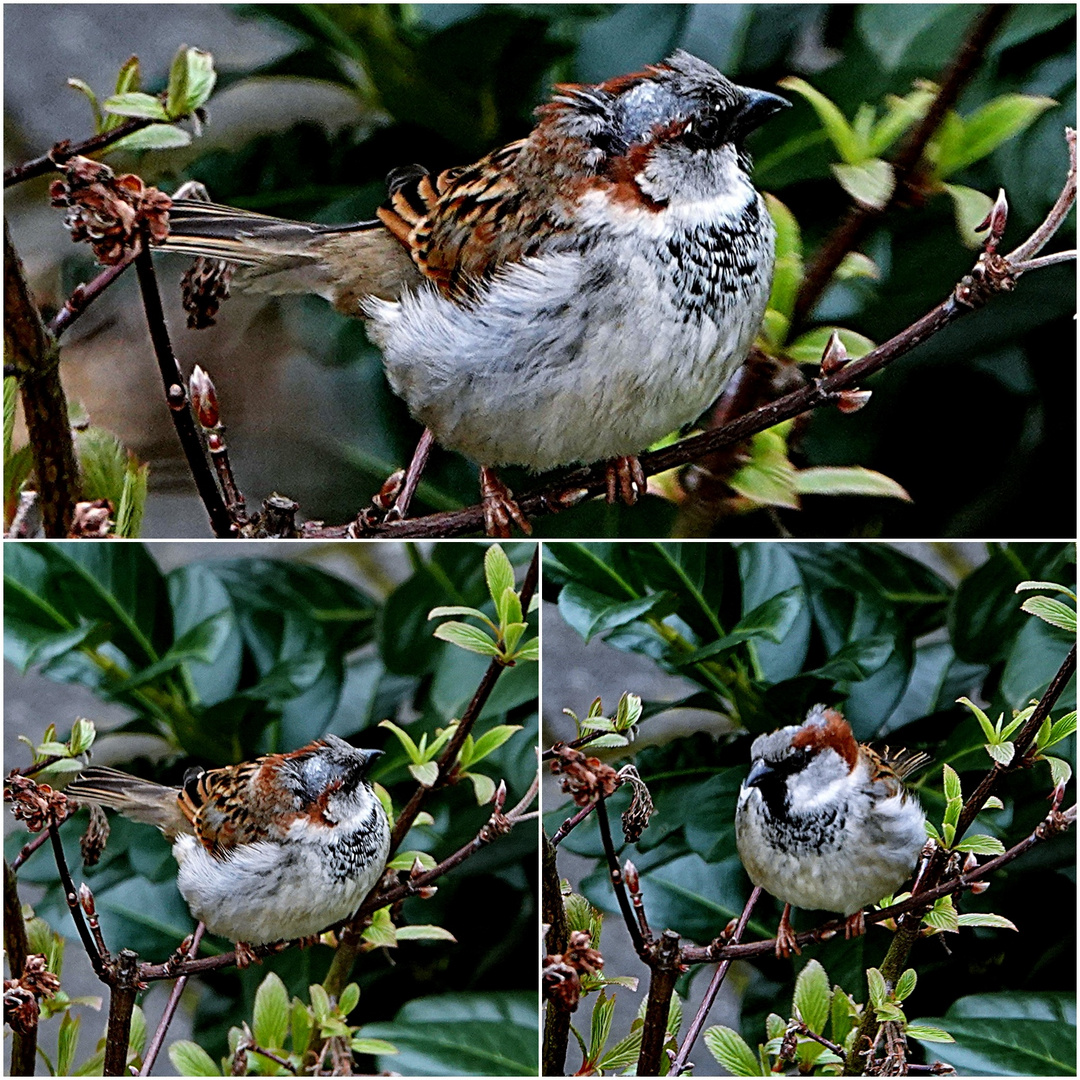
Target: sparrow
{"x":569,"y":298}
{"x":824,"y":821}
{"x":269,"y":850}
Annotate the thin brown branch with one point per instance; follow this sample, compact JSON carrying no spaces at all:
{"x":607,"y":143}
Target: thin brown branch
{"x":617,"y":883}
{"x":176,"y":395}
{"x":71,"y":894}
{"x":17,"y":947}
{"x":1053,"y":220}
{"x":694,"y":1030}
{"x":63,"y":151}
{"x":977,"y":800}
{"x":28,"y":849}
{"x":85,"y":295}
{"x":36,"y":358}
{"x":400,"y":510}
{"x":171,"y":1005}
{"x":861,"y":219}
{"x":125,"y":987}
{"x":570,"y":824}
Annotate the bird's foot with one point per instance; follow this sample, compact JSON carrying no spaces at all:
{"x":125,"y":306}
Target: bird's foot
{"x":855,"y":925}
{"x":625,"y":479}
{"x":500,"y":510}
{"x":245,"y":955}
{"x":785,"y":936}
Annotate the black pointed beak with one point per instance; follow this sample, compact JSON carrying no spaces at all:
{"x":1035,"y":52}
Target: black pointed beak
{"x":370,"y":757}
{"x":758,"y":771}
{"x":759,"y":106}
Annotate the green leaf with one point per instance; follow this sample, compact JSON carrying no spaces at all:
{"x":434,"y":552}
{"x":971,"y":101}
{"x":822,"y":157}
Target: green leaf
{"x":855,"y":266}
{"x":985,"y":918}
{"x":600,"y":1023}
{"x":1060,"y":770}
{"x":491,"y":740}
{"x":270,"y":1018}
{"x":320,"y":999}
{"x":153,"y":137}
{"x":942,"y":916}
{"x":191,"y":81}
{"x":67,"y":1041}
{"x":808,"y":348}
{"x":981,"y":844}
{"x":466,"y":637}
{"x":424,"y":932}
{"x":812,"y":996}
{"x":847,"y":480}
{"x":464,"y":1034}
{"x":970,"y":208}
{"x":905,"y":985}
{"x":529,"y":651}
{"x":925,"y":1033}
{"x":730,"y":1049}
{"x":870,"y":183}
{"x":841,"y":1015}
{"x":404,"y":860}
{"x":406,"y":741}
{"x":141,"y":106}
{"x":951,"y":782}
{"x":1061,"y":729}
{"x":768,"y":478}
{"x":190,"y":1059}
{"x":382,"y":932}
{"x":483,"y":787}
{"x":900,"y":114}
{"x":1052,"y":611}
{"x":788,"y":271}
{"x":984,"y":721}
{"x":499,"y":575}
{"x":987,"y":128}
{"x":840,"y":132}
{"x":1002,"y":753}
{"x":1027,"y":586}
{"x":426,"y":773}
{"x":458,"y":609}
{"x":875,"y":982}
{"x":300,"y":1026}
{"x":372,"y":1046}
{"x":350,"y":996}
{"x":1028,"y":1033}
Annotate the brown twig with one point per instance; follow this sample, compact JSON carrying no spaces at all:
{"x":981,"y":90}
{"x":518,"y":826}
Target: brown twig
{"x":570,"y":824}
{"x":860,"y":219}
{"x":71,"y":894}
{"x":85,"y":295}
{"x":65,"y":150}
{"x":28,"y":849}
{"x":617,"y":883}
{"x":176,"y":394}
{"x":400,"y":510}
{"x":36,"y":358}
{"x":694,"y":1030}
{"x":125,"y":986}
{"x":171,"y":1005}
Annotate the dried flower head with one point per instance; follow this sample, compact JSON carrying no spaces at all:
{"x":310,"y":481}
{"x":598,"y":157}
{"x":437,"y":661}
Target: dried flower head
{"x":203,"y":289}
{"x":20,"y":1007}
{"x":107,"y":210}
{"x":36,"y":804}
{"x":585,"y":779}
{"x":37,"y":978}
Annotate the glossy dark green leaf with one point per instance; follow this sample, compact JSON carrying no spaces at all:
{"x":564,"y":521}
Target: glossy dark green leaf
{"x":475,"y":1034}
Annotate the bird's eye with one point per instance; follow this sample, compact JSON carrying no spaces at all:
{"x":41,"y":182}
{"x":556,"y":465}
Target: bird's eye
{"x":706,"y":132}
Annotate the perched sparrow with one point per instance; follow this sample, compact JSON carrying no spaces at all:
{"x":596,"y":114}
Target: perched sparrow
{"x":571,"y":297}
{"x":825,"y":822}
{"x":276,"y":848}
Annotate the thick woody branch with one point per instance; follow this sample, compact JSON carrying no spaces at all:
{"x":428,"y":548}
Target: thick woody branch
{"x":861,"y":219}
{"x":36,"y":359}
{"x":557,"y":1020}
{"x":125,"y":987}
{"x":665,"y":972}
{"x":17,"y":947}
